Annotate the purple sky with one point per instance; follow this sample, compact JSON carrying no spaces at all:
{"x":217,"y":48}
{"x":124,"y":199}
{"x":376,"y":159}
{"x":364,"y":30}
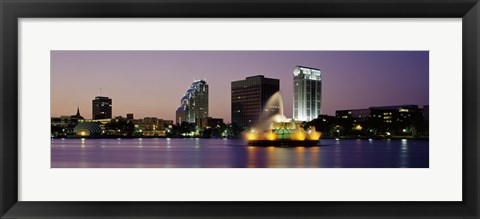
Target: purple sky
{"x":151,"y":83}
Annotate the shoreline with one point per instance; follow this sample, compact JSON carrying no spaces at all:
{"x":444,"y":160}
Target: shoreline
{"x":380,"y":138}
{"x":165,"y":137}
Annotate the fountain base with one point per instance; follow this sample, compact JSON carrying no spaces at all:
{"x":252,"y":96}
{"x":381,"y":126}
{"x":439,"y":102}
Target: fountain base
{"x":284,"y":143}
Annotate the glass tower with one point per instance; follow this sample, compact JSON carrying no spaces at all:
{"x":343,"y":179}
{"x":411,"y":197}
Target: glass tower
{"x":307,"y":97}
{"x":194,"y":104}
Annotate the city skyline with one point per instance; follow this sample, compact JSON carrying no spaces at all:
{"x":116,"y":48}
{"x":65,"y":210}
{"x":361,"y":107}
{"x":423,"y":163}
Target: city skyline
{"x":135,"y":80}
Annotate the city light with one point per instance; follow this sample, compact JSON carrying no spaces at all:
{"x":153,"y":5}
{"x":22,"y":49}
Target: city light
{"x":174,"y":127}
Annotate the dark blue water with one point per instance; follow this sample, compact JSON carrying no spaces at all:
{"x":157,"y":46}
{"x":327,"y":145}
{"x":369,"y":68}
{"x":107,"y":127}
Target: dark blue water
{"x":234,"y":153}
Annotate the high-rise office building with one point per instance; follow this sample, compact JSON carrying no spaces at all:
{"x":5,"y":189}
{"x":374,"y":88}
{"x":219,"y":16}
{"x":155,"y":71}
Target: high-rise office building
{"x":101,"y":108}
{"x":194,"y":104}
{"x":249,"y":97}
{"x":307,"y":96}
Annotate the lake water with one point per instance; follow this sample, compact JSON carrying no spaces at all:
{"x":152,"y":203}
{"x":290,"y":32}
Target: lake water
{"x":234,"y":153}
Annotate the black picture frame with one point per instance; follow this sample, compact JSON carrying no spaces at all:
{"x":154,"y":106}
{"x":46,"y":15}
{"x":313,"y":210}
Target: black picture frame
{"x":12,"y":10}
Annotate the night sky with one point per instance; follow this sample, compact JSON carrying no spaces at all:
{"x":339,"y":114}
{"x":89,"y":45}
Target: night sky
{"x":151,"y":83}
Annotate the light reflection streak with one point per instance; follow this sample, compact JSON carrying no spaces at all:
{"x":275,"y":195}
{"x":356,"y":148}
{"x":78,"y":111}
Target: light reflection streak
{"x":314,"y":151}
{"x":337,"y":157}
{"x":271,"y":156}
{"x":180,"y":153}
{"x":300,"y":156}
{"x":251,"y":157}
{"x":404,"y":153}
{"x":169,"y":143}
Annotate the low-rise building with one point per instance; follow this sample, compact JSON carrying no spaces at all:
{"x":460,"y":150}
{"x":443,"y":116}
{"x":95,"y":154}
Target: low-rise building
{"x":209,"y":122}
{"x":358,"y":115}
{"x":152,"y":126}
{"x":64,"y":125}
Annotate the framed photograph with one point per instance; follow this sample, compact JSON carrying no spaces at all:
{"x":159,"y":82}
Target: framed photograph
{"x":169,"y":109}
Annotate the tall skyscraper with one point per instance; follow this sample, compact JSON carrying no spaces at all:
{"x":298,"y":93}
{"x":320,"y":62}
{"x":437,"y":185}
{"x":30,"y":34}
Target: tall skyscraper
{"x":194,"y":104}
{"x":101,"y":108}
{"x":307,"y":96}
{"x":249,"y":97}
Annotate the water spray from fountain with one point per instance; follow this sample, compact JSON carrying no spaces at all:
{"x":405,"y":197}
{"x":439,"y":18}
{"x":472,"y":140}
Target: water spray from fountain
{"x":274,"y":128}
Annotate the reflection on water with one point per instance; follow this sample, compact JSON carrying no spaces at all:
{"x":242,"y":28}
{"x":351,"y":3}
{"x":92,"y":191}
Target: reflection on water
{"x":225,"y":153}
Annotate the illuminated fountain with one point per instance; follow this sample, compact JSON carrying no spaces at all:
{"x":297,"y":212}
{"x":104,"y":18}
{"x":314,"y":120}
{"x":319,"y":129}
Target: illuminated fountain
{"x":274,"y":129}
